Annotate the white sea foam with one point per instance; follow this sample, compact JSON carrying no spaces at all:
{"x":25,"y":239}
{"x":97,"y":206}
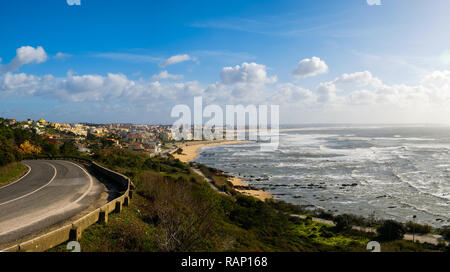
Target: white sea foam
{"x":402,"y":174}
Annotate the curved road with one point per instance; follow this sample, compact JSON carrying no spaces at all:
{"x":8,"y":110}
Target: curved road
{"x":51,"y":192}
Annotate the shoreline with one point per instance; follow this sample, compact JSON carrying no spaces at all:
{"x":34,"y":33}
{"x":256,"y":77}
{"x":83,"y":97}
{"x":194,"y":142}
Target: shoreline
{"x":191,"y":150}
{"x":240,"y":186}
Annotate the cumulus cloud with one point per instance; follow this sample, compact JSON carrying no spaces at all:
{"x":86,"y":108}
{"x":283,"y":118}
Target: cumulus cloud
{"x":327,"y":91}
{"x":74,"y":2}
{"x":98,"y":88}
{"x":94,"y":87}
{"x":289,"y":93}
{"x":359,"y":78}
{"x":26,"y":55}
{"x":22,"y":84}
{"x":246,"y":73}
{"x":176,"y":59}
{"x":344,"y":98}
{"x":310,"y":67}
{"x":166,"y":75}
{"x":363,"y":89}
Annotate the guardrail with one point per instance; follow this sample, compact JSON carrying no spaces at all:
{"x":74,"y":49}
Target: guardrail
{"x":73,"y":231}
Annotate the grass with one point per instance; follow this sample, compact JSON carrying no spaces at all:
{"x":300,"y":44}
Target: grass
{"x":124,"y":232}
{"x":173,"y":209}
{"x":11,"y":172}
{"x":133,"y":231}
{"x":324,"y":234}
{"x":218,"y":178}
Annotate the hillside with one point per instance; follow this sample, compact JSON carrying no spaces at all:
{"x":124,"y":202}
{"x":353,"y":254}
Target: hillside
{"x":174,"y":209}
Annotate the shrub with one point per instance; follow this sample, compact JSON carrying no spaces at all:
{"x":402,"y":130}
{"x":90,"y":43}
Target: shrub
{"x":445,"y":231}
{"x":343,"y":222}
{"x":417,"y":228}
{"x":251,"y":213}
{"x":391,"y":230}
{"x":183,"y":213}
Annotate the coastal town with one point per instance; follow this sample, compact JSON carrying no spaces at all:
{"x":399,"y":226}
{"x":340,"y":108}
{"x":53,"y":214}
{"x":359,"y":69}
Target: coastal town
{"x":150,"y":139}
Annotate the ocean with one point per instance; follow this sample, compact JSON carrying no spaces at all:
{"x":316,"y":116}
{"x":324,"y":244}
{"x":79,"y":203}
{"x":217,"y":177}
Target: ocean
{"x":386,"y":172}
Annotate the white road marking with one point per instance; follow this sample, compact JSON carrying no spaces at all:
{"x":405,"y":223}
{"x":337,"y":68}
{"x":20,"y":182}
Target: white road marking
{"x":29,"y":170}
{"x":38,"y":189}
{"x":91,"y":182}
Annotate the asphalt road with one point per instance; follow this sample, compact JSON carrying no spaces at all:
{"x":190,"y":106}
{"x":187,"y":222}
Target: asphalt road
{"x":50,"y":193}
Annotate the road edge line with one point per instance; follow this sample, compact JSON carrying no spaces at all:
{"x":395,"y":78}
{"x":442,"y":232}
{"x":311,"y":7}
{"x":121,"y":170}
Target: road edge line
{"x":38,"y":189}
{"x":26,"y":174}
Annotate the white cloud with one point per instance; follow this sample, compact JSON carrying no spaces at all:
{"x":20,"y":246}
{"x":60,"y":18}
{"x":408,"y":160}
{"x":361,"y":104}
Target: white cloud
{"x":247,"y":73}
{"x":165,"y":75}
{"x":310,"y":67}
{"x":74,"y":2}
{"x":61,"y":55}
{"x":354,"y":97}
{"x":359,"y":78}
{"x":374,"y":2}
{"x":25,"y":55}
{"x":289,"y":93}
{"x":22,"y":84}
{"x":97,"y":88}
{"x":327,"y":93}
{"x":176,"y":59}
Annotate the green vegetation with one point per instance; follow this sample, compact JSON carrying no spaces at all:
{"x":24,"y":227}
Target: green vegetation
{"x":391,"y":230}
{"x":11,"y":172}
{"x":343,"y":222}
{"x":445,"y":232}
{"x":219,"y":179}
{"x":174,"y":209}
{"x":412,"y":227}
{"x":330,"y":236}
{"x":17,"y":143}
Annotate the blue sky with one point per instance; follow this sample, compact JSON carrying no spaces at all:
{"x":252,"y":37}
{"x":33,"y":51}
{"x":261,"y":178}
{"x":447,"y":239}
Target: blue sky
{"x":400,"y":43}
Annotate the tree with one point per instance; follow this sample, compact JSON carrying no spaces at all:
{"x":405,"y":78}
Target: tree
{"x":184,"y":220}
{"x":27,"y":148}
{"x":50,"y":149}
{"x":68,"y":148}
{"x":391,"y":230}
{"x":6,"y":155}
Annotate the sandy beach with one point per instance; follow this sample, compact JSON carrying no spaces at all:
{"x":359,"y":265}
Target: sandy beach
{"x":244,"y":189}
{"x":191,"y":150}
